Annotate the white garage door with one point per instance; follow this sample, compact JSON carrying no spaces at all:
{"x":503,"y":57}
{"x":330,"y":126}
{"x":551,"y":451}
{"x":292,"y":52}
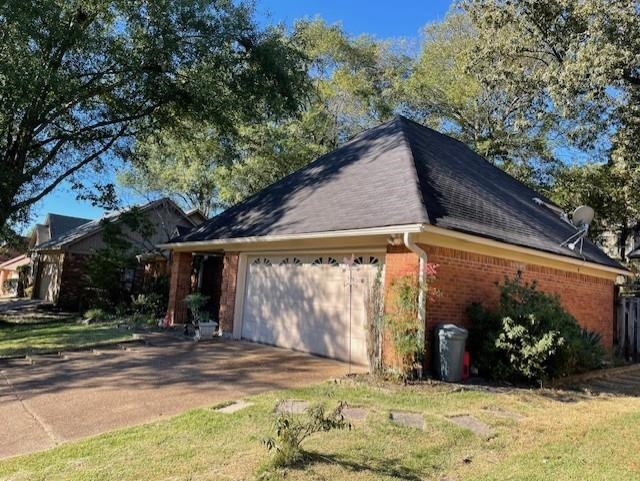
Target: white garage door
{"x":307,"y":303}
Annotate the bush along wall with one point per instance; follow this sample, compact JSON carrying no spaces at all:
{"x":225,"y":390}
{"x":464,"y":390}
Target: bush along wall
{"x":530,"y":338}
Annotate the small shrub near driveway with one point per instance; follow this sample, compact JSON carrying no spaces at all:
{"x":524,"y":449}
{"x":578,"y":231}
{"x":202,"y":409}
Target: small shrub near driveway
{"x":292,"y":430}
{"x":530,"y":337}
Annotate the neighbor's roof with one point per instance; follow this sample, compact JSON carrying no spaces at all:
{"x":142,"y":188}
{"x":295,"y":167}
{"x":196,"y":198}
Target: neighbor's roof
{"x":400,"y":173}
{"x":15,"y":262}
{"x":61,"y":224}
{"x":94,"y":226}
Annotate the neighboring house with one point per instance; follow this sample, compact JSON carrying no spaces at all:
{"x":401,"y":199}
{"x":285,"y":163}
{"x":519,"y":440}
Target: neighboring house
{"x":11,"y":259}
{"x":395,"y":196}
{"x":196,"y":216}
{"x":9,"y":274}
{"x":60,"y":263}
{"x":53,"y":227}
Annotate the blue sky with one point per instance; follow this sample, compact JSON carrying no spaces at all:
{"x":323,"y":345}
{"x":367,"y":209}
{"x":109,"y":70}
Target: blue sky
{"x":382,"y":19}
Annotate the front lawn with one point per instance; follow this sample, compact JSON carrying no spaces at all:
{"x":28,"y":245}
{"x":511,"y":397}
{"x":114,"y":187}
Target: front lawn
{"x":18,"y":338}
{"x":539,"y":435}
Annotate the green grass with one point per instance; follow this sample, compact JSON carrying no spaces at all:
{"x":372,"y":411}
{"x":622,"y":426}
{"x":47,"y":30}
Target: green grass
{"x":30,"y":337}
{"x":591,"y":438}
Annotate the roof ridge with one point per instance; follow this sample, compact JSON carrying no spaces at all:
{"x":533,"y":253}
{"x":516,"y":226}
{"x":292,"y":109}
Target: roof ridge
{"x":401,"y":119}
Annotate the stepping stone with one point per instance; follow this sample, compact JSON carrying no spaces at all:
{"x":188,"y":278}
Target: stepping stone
{"x":406,"y":418}
{"x":355,"y":414}
{"x":291,"y":406}
{"x":234,"y":407}
{"x":474,"y":425}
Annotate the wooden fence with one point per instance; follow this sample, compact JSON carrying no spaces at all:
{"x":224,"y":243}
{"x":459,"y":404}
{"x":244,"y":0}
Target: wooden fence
{"x":628,"y":323}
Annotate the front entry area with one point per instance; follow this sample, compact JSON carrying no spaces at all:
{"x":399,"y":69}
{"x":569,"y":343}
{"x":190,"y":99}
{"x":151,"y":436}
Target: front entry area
{"x":311,"y":303}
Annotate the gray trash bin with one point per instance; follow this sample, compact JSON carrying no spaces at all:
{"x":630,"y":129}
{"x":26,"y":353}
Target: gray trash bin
{"x":449,"y":350}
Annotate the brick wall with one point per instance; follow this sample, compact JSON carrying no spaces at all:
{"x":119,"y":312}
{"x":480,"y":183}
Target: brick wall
{"x":73,"y":281}
{"x":399,"y":262}
{"x":228,"y":291}
{"x":464,"y":278}
{"x":179,"y":287}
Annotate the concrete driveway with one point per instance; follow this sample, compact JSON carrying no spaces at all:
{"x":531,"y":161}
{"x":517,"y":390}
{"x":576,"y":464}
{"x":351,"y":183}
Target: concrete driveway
{"x":57,"y":399}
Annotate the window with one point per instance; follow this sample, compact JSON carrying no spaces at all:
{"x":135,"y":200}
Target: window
{"x":288,"y":261}
{"x":330,"y":261}
{"x":261,"y":261}
{"x":367,"y":260}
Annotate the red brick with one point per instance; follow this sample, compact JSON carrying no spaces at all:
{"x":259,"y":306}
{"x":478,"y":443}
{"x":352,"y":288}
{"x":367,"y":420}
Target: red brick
{"x":464,"y":278}
{"x":179,"y":287}
{"x":228,"y":291}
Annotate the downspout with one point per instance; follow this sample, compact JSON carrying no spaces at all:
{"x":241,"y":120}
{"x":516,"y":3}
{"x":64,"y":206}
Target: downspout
{"x":413,"y":247}
{"x":422,"y":302}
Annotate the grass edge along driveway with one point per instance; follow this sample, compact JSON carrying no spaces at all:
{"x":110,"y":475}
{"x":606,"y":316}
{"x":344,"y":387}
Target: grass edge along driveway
{"x":538,"y":436}
{"x":18,"y":339}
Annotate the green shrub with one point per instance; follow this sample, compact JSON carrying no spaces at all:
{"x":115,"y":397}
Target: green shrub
{"x":196,"y":302}
{"x":292,"y":430}
{"x":404,"y":322}
{"x":97,"y":315}
{"x":151,"y":304}
{"x":530,"y":337}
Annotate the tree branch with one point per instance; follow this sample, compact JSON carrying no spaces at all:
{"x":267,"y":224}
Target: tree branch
{"x":69,"y":172}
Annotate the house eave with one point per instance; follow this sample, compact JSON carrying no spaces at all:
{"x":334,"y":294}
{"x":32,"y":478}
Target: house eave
{"x":220,"y":243}
{"x":474,"y":239}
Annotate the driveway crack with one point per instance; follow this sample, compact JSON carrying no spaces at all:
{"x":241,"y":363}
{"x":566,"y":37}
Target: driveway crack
{"x":44,"y":426}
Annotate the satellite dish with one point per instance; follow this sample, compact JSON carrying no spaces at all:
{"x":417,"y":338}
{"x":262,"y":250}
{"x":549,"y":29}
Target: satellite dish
{"x":582,"y":216}
{"x":581,"y":219}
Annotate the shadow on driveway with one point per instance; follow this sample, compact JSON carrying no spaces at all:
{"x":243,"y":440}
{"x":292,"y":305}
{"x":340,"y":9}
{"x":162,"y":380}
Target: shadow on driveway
{"x":84,"y":393}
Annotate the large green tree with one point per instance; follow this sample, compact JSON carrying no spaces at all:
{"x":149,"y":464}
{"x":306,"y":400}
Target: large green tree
{"x":585,"y":56}
{"x":352,"y":86}
{"x":182,"y":163}
{"x":80,"y":79}
{"x":454,"y":91}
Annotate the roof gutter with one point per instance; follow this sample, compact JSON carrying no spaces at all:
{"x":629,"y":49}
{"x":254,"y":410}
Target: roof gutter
{"x":386,"y":230}
{"x":475,"y":239}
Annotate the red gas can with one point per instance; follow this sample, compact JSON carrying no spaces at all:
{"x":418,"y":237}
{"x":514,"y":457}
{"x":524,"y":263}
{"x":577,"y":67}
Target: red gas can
{"x":466,"y":366}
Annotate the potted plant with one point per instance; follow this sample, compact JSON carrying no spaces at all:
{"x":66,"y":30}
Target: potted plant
{"x":205,"y":328}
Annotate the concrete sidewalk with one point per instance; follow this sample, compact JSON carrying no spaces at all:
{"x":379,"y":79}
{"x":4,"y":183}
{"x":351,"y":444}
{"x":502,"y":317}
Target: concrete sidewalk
{"x":52,"y":399}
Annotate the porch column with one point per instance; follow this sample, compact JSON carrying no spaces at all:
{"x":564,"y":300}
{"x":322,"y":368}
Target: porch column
{"x":228,"y":294}
{"x":179,"y":288}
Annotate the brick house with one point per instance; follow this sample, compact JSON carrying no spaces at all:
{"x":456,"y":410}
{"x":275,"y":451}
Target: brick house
{"x":59,"y":263}
{"x":393,"y":198}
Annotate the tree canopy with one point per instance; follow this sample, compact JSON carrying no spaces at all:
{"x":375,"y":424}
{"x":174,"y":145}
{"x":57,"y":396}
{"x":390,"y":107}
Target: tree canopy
{"x":352,"y":85}
{"x":80,"y":79}
{"x":454,"y":90}
{"x":585,"y":58}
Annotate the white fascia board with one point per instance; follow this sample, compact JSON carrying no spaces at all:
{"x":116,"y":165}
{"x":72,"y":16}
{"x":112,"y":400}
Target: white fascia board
{"x":387,"y":230}
{"x":525,"y":250}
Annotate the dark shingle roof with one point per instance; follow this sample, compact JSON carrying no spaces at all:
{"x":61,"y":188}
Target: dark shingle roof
{"x":60,"y":224}
{"x":400,"y":173}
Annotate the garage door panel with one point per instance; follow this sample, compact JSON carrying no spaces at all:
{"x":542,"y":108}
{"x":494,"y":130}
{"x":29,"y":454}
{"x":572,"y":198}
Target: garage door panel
{"x":305,"y":306}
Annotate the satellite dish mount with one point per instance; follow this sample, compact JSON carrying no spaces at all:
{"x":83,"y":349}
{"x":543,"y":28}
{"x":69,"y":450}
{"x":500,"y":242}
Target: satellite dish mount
{"x":581,"y":219}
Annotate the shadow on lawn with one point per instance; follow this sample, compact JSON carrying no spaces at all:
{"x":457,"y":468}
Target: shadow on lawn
{"x":390,"y":467}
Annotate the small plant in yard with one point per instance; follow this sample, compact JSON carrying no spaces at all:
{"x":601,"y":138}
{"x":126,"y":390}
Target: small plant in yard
{"x":406,"y":324}
{"x":196,"y":302}
{"x":97,"y":315}
{"x":530,"y":337}
{"x":150,"y":304}
{"x":292,"y":430}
